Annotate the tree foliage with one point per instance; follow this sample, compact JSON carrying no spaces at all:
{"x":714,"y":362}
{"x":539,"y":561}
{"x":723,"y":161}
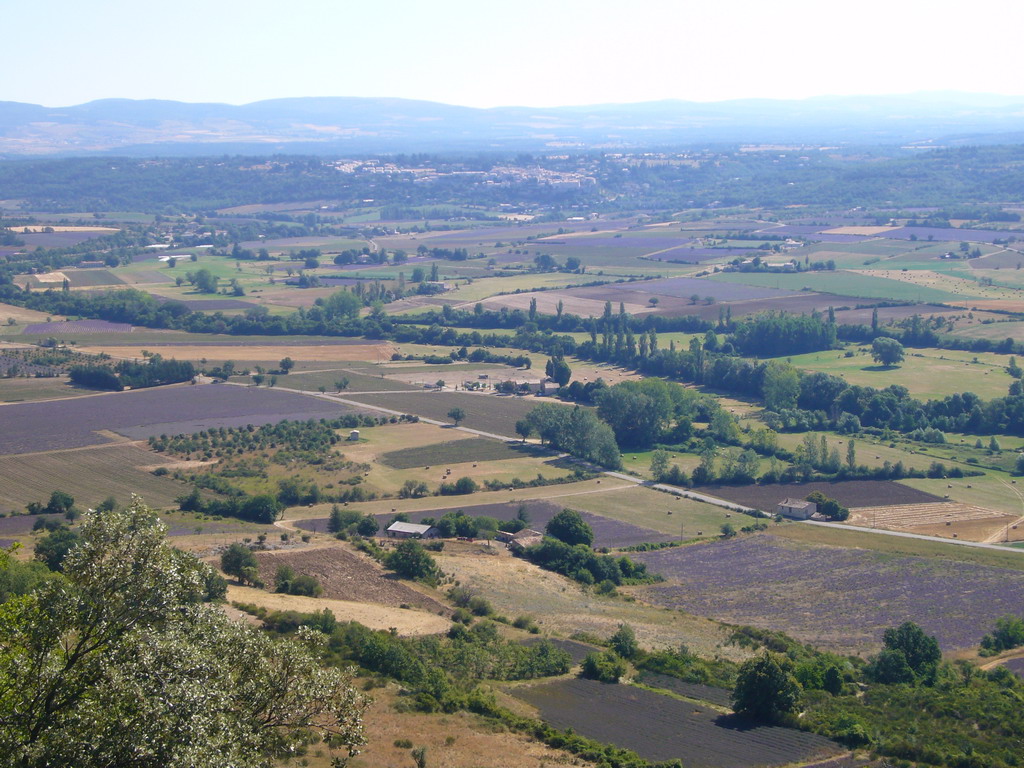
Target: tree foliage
{"x":119,"y":662}
{"x":765,"y":687}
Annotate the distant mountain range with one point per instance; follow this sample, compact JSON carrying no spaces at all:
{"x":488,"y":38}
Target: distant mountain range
{"x":372,"y":125}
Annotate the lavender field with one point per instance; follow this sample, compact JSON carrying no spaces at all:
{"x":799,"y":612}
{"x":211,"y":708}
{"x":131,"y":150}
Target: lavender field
{"x":30,"y":427}
{"x":78,"y":326}
{"x":832,"y":597}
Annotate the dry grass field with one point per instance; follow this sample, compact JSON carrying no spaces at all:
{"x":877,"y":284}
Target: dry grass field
{"x":372,"y":615}
{"x":21,"y":315}
{"x":560,"y":606}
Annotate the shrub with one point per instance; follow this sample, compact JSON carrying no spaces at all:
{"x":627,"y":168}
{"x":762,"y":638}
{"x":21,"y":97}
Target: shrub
{"x":604,"y":666}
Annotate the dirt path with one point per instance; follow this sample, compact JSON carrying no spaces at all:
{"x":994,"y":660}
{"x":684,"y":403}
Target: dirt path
{"x":1016,"y":653}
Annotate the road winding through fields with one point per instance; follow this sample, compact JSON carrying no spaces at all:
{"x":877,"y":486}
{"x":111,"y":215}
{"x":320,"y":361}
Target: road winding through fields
{"x":662,"y":486}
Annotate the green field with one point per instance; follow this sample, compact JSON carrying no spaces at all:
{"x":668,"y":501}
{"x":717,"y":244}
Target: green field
{"x":659,"y":511}
{"x":928,"y":374}
{"x":455,"y":452}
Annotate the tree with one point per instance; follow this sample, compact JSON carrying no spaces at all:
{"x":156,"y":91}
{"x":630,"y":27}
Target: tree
{"x":919,"y":651}
{"x":558,"y":371}
{"x":624,"y":643}
{"x":524,"y":428}
{"x":569,"y":526}
{"x":765,"y":687}
{"x":235,"y":559}
{"x":410,"y":560}
{"x":286,"y":364}
{"x":456,"y":415}
{"x":659,"y":464}
{"x":781,"y":386}
{"x":886,"y":351}
{"x":205,"y":281}
{"x":60,"y":503}
{"x":119,"y":662}
{"x":52,"y":549}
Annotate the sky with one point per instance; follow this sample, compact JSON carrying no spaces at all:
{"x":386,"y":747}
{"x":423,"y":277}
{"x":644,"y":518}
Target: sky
{"x":484,"y":53}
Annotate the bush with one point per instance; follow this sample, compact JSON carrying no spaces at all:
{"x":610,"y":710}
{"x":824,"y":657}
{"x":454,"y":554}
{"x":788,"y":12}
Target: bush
{"x":604,"y":666}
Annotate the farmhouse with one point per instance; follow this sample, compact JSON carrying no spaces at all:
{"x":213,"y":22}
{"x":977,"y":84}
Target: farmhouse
{"x":525,"y":538}
{"x":411,"y":531}
{"x":796,"y":508}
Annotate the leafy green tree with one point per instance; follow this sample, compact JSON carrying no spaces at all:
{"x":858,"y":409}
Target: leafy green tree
{"x":659,"y":464}
{"x":524,"y":428}
{"x":558,"y":371}
{"x":53,"y":548}
{"x":781,"y":386}
{"x":765,"y":687}
{"x":367,"y":526}
{"x":920,"y":651}
{"x":205,"y":281}
{"x":410,"y":560}
{"x":886,"y":351}
{"x":286,"y":364}
{"x":235,"y":559}
{"x":341,"y":305}
{"x":60,"y":503}
{"x":456,"y":415}
{"x":120,"y":663}
{"x":568,"y":526}
{"x":604,"y":666}
{"x":624,"y":643}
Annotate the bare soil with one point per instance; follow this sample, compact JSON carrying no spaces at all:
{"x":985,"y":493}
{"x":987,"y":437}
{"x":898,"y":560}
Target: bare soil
{"x":347,"y":575}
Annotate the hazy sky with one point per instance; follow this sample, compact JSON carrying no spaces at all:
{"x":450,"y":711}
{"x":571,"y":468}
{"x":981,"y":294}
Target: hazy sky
{"x":488,"y":53}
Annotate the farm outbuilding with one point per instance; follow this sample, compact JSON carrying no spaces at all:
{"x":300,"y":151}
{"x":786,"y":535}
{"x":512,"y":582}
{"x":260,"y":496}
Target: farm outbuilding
{"x":525,"y":538}
{"x":411,"y":531}
{"x":796,"y":508}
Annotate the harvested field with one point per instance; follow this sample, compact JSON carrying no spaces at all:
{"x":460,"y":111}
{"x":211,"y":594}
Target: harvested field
{"x":139,"y":414}
{"x":949,"y":234}
{"x":20,"y":314}
{"x":372,"y":615}
{"x":244,"y":353}
{"x":456,"y":452}
{"x":346,"y":575}
{"x":945,"y":519}
{"x":490,"y":413}
{"x":849,"y":493}
{"x":90,"y":475}
{"x":869,"y":231}
{"x":78,"y":326}
{"x":662,"y":728}
{"x":832,"y":597}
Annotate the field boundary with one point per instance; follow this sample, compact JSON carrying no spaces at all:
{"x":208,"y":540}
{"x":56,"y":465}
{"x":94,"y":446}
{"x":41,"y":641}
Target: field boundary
{"x":905,"y":535}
